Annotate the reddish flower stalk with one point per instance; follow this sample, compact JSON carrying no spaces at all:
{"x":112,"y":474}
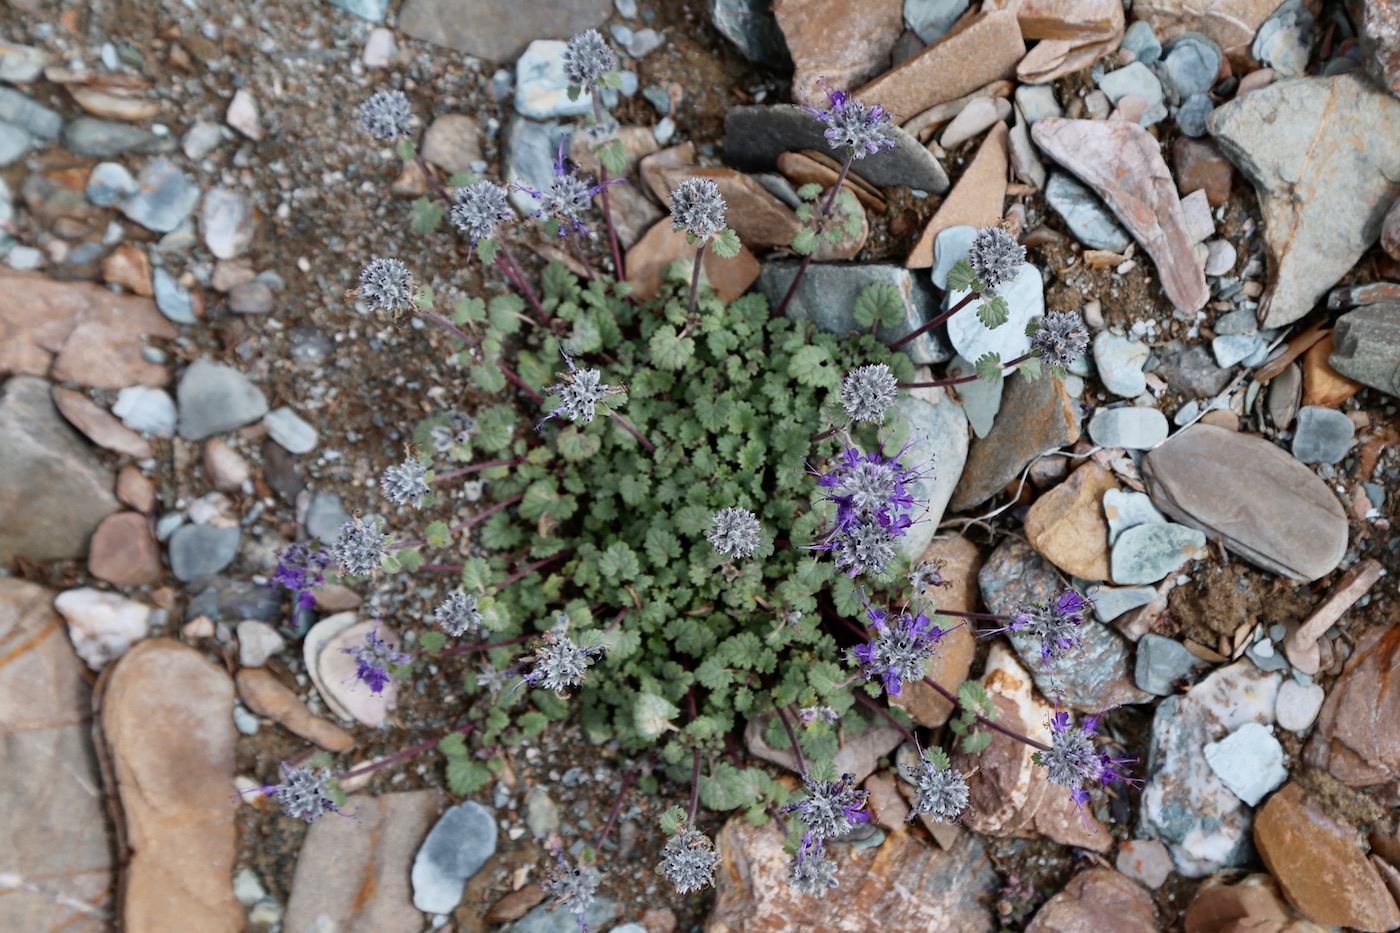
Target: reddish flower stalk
{"x":822,"y":218}
{"x":939,"y":319}
{"x":467,"y":523}
{"x":963,"y":380}
{"x":405,"y":754}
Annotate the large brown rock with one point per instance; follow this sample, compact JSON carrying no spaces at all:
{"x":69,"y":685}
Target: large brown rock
{"x":1090,"y":899}
{"x":661,"y":245}
{"x":1358,"y":731}
{"x":55,"y":851}
{"x":1251,"y":905}
{"x":166,"y":716}
{"x":1319,"y":866}
{"x":1123,"y":163}
{"x":845,"y":41}
{"x":976,"y":200}
{"x":1266,"y":506}
{"x":1067,"y":524}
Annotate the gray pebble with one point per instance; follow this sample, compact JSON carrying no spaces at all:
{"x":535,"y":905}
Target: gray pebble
{"x":1148,"y":553}
{"x":110,"y":183}
{"x":172,"y":300}
{"x":202,"y":550}
{"x":1110,"y":602}
{"x":146,"y":409}
{"x":1086,"y":216}
{"x":1249,"y":761}
{"x":456,"y":848}
{"x":325,"y":516}
{"x":1120,"y":360}
{"x":1162,"y":663}
{"x":1131,"y":427}
{"x":291,"y":431}
{"x":1126,"y":509}
{"x":214,"y":398}
{"x":1322,"y":435}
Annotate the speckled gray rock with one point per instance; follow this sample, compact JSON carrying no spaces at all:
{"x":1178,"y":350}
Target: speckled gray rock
{"x":1162,"y":663}
{"x":14,"y":143}
{"x":1119,"y":360}
{"x":1322,"y":435}
{"x":1137,"y":79}
{"x":214,"y":398}
{"x":541,"y":90}
{"x":752,"y":27}
{"x":325,"y":516}
{"x":1148,"y":553}
{"x":291,"y":430}
{"x":755,"y":136}
{"x":109,"y":183}
{"x":1309,"y":145}
{"x":1298,"y":705}
{"x":1089,"y":681}
{"x":541,"y":813}
{"x":202,"y":550}
{"x":1142,"y":42}
{"x":498,"y":30}
{"x":1249,"y":761}
{"x":937,"y":432}
{"x":456,"y":848}
{"x":1131,"y":427}
{"x":1126,"y":509}
{"x":29,"y":115}
{"x":1189,"y":65}
{"x":1088,"y":219}
{"x":1110,"y":602}
{"x":1366,"y":346}
{"x":828,"y":292}
{"x":1265,"y":505}
{"x":931,"y":19}
{"x":1191,"y":370}
{"x":172,"y":300}
{"x":166,"y":197}
{"x":102,"y":139}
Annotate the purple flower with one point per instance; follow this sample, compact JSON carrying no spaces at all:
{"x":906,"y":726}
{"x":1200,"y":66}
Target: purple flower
{"x":830,"y":810}
{"x":811,"y":872}
{"x":896,"y":650}
{"x":868,"y":486}
{"x":852,"y":125}
{"x":304,"y":793}
{"x":299,"y":569}
{"x":572,"y":887}
{"x":375,"y":661}
{"x":560,"y":663}
{"x":868,"y":545}
{"x":579,"y":392}
{"x":1075,"y":762}
{"x":1056,"y":625}
{"x":566,"y":197}
{"x":941,"y":790}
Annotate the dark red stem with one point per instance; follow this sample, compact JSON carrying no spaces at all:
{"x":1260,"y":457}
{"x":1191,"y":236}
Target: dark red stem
{"x":477,"y":468}
{"x":627,"y":425}
{"x":464,"y":525}
{"x":485,"y":646}
{"x":406,"y":753}
{"x":526,"y":571}
{"x":962,"y":380}
{"x":619,"y":268}
{"x":616,"y":807}
{"x":925,"y":328}
{"x":822,"y":218}
{"x":792,"y":737}
{"x":1009,"y":733}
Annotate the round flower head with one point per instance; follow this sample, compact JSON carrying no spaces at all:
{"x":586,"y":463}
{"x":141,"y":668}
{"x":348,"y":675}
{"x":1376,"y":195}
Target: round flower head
{"x":566,"y":197}
{"x":831,"y":809}
{"x":360,"y":547}
{"x":588,"y":60}
{"x":478,"y":209}
{"x":304,"y":793}
{"x":867,"y":392}
{"x":574,"y":888}
{"x":734,"y":532}
{"x":1055,"y":624}
{"x":851,"y":125}
{"x":940,"y":791}
{"x":688,"y":861}
{"x":872,"y":486}
{"x":559,"y":663}
{"x":386,"y":285}
{"x":456,"y":432}
{"x":995,"y":258}
{"x":697,"y":208}
{"x":375,"y":661}
{"x":458,"y":614}
{"x":386,"y":116}
{"x":579,"y":393}
{"x":811,"y":872}
{"x":1060,"y":338}
{"x":866,"y":545}
{"x":897,"y":650}
{"x":1074,"y":761}
{"x":406,"y":483}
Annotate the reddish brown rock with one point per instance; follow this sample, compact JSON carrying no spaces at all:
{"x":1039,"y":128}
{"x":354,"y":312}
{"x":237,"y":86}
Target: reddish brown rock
{"x":128,"y":266}
{"x":660,"y":246}
{"x":166,"y":719}
{"x":958,"y":560}
{"x":847,"y":42}
{"x":100,"y":426}
{"x":1252,"y":904}
{"x":1230,"y":24}
{"x":1074,"y":34}
{"x":516,"y":904}
{"x":1358,"y":731}
{"x":134,"y":489}
{"x":1200,"y":166}
{"x":985,"y":51}
{"x":56,"y":857}
{"x":977,"y":198}
{"x":1380,"y":39}
{"x":1123,"y":163}
{"x":123,"y":551}
{"x":760,"y":219}
{"x":224,"y":466}
{"x":265,"y":695}
{"x":1319,"y":866}
{"x":1090,"y":898}
{"x":1323,"y":385}
{"x":1067,"y":525}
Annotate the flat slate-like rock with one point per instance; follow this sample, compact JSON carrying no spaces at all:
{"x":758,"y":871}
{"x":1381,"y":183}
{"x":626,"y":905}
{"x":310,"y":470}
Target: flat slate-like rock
{"x":461,"y":842}
{"x":498,"y":30}
{"x":214,"y":398}
{"x":1366,"y":346}
{"x":1267,"y":507}
{"x":1309,"y":145}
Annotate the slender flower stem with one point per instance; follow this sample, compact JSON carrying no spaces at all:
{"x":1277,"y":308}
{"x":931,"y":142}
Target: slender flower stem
{"x":963,"y":380}
{"x":616,"y":807}
{"x":477,"y":468}
{"x":939,"y":319}
{"x":582,"y":259}
{"x":695,"y":279}
{"x":822,"y":218}
{"x":996,"y":617}
{"x":520,"y":282}
{"x":531,"y":568}
{"x":464,"y":525}
{"x":441,"y":568}
{"x":867,"y":701}
{"x":402,"y":755}
{"x":792,"y":737}
{"x":436,"y":185}
{"x":628,"y":426}
{"x":485,"y":646}
{"x":474,"y":342}
{"x":998,"y":727}
{"x":829,"y":432}
{"x":620,"y":270}
{"x":694,"y":785}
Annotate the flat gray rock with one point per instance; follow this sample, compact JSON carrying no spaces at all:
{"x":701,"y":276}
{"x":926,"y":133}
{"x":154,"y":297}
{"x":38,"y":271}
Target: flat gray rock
{"x":202,"y":550}
{"x":931,"y":19}
{"x":102,"y":139}
{"x":1189,"y":65}
{"x":1137,"y":79}
{"x":1088,"y":219}
{"x":1322,"y":435}
{"x":1110,"y":602}
{"x":1126,"y":509}
{"x":1025,"y":301}
{"x":456,"y":848}
{"x":1162,"y":663}
{"x":325,"y":516}
{"x":1249,"y":761}
{"x":165,"y":198}
{"x":1366,"y":346}
{"x":1120,"y":360}
{"x":755,"y":136}
{"x":752,"y":27}
{"x":29,"y":115}
{"x":292,"y":431}
{"x":1133,"y":427}
{"x":1308,"y":145}
{"x":214,"y":398}
{"x":1266,"y":506}
{"x":1149,"y":553}
{"x":937,"y":432}
{"x":498,"y":30}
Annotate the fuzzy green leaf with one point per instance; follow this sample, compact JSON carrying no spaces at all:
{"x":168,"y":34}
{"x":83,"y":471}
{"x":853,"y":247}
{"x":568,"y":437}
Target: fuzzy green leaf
{"x":961,"y":276}
{"x":652,"y":715}
{"x":809,"y":191}
{"x":471,"y":310}
{"x":614,"y":158}
{"x":405,"y":149}
{"x":427,"y":216}
{"x":813,"y":366}
{"x":673,"y":820}
{"x":505,"y":312}
{"x":466,"y":777}
{"x":804,"y":241}
{"x":487,"y":250}
{"x":993,"y":312}
{"x":577,"y":446}
{"x":432,"y":641}
{"x":989,"y":368}
{"x":476,"y":575}
{"x":453,"y":746}
{"x":437,"y":534}
{"x":976,"y":742}
{"x":668,"y":349}
{"x":880,"y":302}
{"x":1030,"y":368}
{"x":973,"y":697}
{"x":619,"y":563}
{"x":726,"y":244}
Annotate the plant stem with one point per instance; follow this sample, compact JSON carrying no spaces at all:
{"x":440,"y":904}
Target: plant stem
{"x":939,"y":319}
{"x":822,"y":218}
{"x":472,"y":341}
{"x":520,"y":282}
{"x":436,"y":185}
{"x":406,"y":753}
{"x":616,"y":807}
{"x":619,"y":269}
{"x":695,"y":279}
{"x":526,"y":571}
{"x":1009,"y":733}
{"x":792,"y":737}
{"x":464,"y":525}
{"x":962,"y":380}
{"x":974,"y":615}
{"x":867,"y":701}
{"x":694,"y":785}
{"x":627,"y":425}
{"x":477,"y":468}
{"x":582,"y":259}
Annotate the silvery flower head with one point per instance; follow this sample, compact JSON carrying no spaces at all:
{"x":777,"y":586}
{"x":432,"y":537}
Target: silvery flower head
{"x":697,"y":208}
{"x":360,"y":547}
{"x":458,"y":614}
{"x":375,"y":661}
{"x":304,"y":793}
{"x":898,"y":648}
{"x":1060,"y":338}
{"x":386,"y":285}
{"x":926,"y":574}
{"x":688,"y":861}
{"x":588,"y":60}
{"x":867,"y":545}
{"x":734,"y":532}
{"x":579,"y":393}
{"x":489,"y":677}
{"x":406,"y":483}
{"x":572,"y":887}
{"x":811,"y":872}
{"x":851,"y":125}
{"x":995,"y":258}
{"x":559,"y":663}
{"x":1056,"y":623}
{"x":940,"y":791}
{"x":386,"y":116}
{"x":566,"y":197}
{"x":1074,"y":761}
{"x":831,"y":809}
{"x":478,"y":208}
{"x":867,"y":392}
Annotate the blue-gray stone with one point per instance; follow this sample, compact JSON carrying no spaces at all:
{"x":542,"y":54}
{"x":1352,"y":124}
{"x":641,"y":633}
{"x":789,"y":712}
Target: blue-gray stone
{"x":456,"y":848}
{"x":214,"y":398}
{"x":1086,"y":216}
{"x":1189,"y":65}
{"x":29,"y":115}
{"x":1142,"y":42}
{"x":828,"y":292}
{"x":1110,"y":602}
{"x":1132,"y":427}
{"x":1148,"y":553}
{"x":166,"y":198}
{"x":372,"y":10}
{"x":102,"y":139}
{"x":752,"y":27}
{"x":1126,"y":509}
{"x":981,"y":400}
{"x":643,"y":43}
{"x":15,"y":141}
{"x":541,"y":90}
{"x":1266,"y":656}
{"x":202,"y":550}
{"x":1090,"y":680}
{"x":937,"y":435}
{"x":1249,"y":761}
{"x":1162,"y":663}
{"x":931,"y":19}
{"x":541,"y":813}
{"x":543,"y":919}
{"x":951,"y":244}
{"x":1025,"y":300}
{"x":627,"y":9}
{"x":528,"y":155}
{"x":779,"y":187}
{"x":1322,"y":435}
{"x":1242,"y":321}
{"x":146,"y":409}
{"x":1230,"y":349}
{"x":1037,"y":101}
{"x":226,"y":600}
{"x":1136,"y":78}
{"x":110,"y":183}
{"x":325,"y":516}
{"x":172,"y":300}
{"x":657,"y":96}
{"x":1119,"y":360}
{"x":290,"y":430}
{"x":1284,"y":40}
{"x":1191,"y":116}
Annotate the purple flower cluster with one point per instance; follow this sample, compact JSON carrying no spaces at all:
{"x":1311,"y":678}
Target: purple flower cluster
{"x":304,"y":793}
{"x":1075,"y":762}
{"x":873,"y":506}
{"x":560,"y":663}
{"x":565,"y":198}
{"x":300,"y":569}
{"x":375,"y":661}
{"x":830,"y":810}
{"x":852,"y":125}
{"x":897,"y":648}
{"x":1055,"y":624}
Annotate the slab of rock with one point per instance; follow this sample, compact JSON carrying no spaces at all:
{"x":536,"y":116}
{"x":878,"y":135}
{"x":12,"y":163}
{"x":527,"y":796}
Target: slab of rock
{"x":847,"y":56}
{"x":976,"y":200}
{"x":760,"y":219}
{"x":1162,"y":663}
{"x":1230,"y":24}
{"x":459,"y":844}
{"x":1356,"y":741}
{"x":1073,"y":34}
{"x":1307,"y":144}
{"x":1132,"y":427}
{"x":353,"y":874}
{"x":332,"y":668}
{"x":1086,"y":216}
{"x":166,"y":718}
{"x":937,"y":432}
{"x":1265,"y":505}
{"x":202,"y":550}
{"x":57,"y":857}
{"x":958,"y":560}
{"x":750,"y":25}
{"x":1319,"y":866}
{"x":1380,"y":40}
{"x":453,"y":143}
{"x":859,"y":754}
{"x":214,"y":398}
{"x":1150,"y":552}
{"x":99,"y":425}
{"x":1123,"y":164}
{"x":984,"y":51}
{"x":1366,"y":346}
{"x":980,"y":114}
{"x":124,"y":551}
{"x":1090,"y":898}
{"x":1249,"y":761}
{"x":1184,"y":803}
{"x":1252,"y":903}
{"x":1037,"y":416}
{"x":1067,"y":526}
{"x":648,"y":260}
{"x":265,"y":695}
{"x":903,"y":884}
{"x":498,"y":30}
